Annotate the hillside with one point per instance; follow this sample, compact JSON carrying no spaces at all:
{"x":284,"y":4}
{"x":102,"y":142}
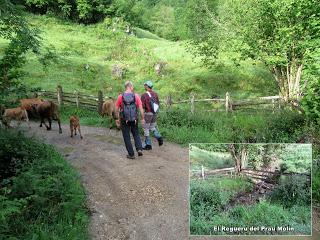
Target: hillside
{"x":86,"y":54}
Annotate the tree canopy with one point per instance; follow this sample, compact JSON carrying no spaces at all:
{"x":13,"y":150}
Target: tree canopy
{"x":22,"y":38}
{"x":280,"y":33}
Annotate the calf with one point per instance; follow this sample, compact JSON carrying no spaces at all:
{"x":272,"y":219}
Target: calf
{"x":48,"y":110}
{"x":74,"y":125}
{"x":18,"y":114}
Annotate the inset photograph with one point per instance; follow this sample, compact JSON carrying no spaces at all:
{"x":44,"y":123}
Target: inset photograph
{"x":250,"y":189}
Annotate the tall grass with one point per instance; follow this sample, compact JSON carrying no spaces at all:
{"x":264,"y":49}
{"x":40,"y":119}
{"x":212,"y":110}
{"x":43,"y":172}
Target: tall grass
{"x":180,"y":126}
{"x":41,"y":196}
{"x":208,"y":198}
{"x":209,"y":159}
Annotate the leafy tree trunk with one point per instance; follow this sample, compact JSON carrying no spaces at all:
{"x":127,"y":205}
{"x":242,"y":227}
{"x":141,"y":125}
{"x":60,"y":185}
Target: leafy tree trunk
{"x":288,"y":79}
{"x":240,"y":154}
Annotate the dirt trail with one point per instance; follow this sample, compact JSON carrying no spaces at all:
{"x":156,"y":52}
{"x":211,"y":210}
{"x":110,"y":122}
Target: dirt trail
{"x":141,"y":199}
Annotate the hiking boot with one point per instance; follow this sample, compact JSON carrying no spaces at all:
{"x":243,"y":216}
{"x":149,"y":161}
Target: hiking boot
{"x":160,"y":141}
{"x":140,"y":153}
{"x":147,"y":147}
{"x":131,"y":157}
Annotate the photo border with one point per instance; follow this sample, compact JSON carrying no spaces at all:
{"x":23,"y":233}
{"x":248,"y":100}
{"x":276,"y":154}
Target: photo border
{"x":253,"y":235}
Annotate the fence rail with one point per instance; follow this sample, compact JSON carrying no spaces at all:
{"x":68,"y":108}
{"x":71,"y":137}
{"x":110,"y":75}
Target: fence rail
{"x":203,"y":173}
{"x":229,"y":104}
{"x":76,"y":98}
{"x":260,"y":175}
{"x":95,"y":102}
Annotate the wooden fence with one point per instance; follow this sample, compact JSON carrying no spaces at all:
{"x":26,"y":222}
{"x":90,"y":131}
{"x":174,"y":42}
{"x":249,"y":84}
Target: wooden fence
{"x":255,"y":175}
{"x":258,"y":175}
{"x":76,"y":98}
{"x":95,"y":102}
{"x":228,"y":103}
{"x":203,"y":173}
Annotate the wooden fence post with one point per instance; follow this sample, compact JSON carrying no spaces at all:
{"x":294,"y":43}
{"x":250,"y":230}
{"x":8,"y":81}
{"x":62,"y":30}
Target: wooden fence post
{"x":279,"y":103}
{"x":273,"y":105}
{"x":77,"y":98}
{"x":100,"y":102}
{"x":227,"y":101}
{"x":60,"y":95}
{"x":202,"y":172}
{"x":192,"y":103}
{"x":169,"y":101}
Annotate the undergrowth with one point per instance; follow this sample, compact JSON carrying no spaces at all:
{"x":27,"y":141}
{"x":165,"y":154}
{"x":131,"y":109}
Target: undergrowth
{"x":41,"y":196}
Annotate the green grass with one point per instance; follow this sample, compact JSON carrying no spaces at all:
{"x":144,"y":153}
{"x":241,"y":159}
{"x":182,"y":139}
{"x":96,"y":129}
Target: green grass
{"x":77,"y":46}
{"x":209,"y":159}
{"x":141,"y":33}
{"x":182,"y":127}
{"x":260,"y":214}
{"x":227,"y":187}
{"x":41,"y":196}
{"x":316,"y":185}
{"x":208,"y":198}
{"x":87,"y":117}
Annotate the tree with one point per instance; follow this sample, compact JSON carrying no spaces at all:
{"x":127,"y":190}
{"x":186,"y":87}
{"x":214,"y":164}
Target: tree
{"x":84,"y":11}
{"x":280,"y":33}
{"x":239,"y":153}
{"x":204,"y":29}
{"x":21,"y":37}
{"x":311,"y":100}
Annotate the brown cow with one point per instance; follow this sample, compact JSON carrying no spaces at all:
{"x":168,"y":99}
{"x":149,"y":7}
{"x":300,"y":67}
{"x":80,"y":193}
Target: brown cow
{"x":48,"y":110}
{"x":29,"y":103}
{"x":74,"y":125}
{"x":18,"y":114}
{"x":109,"y":109}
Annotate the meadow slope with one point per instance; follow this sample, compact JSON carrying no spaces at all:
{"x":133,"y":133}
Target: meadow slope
{"x":86,"y":53}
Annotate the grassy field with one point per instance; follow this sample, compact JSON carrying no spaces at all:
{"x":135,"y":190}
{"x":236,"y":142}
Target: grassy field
{"x":210,"y":160}
{"x":86,"y":54}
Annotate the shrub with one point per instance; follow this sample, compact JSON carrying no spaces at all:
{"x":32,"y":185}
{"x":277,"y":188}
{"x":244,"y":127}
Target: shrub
{"x":13,"y":154}
{"x":10,"y":96}
{"x":283,"y":126}
{"x":205,"y":200}
{"x":41,"y":196}
{"x":316,"y":185}
{"x":292,"y":190}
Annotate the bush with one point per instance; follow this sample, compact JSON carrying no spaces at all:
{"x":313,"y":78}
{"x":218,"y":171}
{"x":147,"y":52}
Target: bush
{"x":41,"y":196}
{"x":183,"y":127}
{"x":10,"y":97}
{"x":78,"y":10}
{"x":180,"y":126}
{"x":292,"y":190}
{"x":13,"y":154}
{"x":316,"y":185}
{"x":261,"y":214}
{"x":205,"y":200}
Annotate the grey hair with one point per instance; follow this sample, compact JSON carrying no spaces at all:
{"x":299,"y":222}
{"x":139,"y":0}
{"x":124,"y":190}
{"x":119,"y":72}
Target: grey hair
{"x":128,"y":84}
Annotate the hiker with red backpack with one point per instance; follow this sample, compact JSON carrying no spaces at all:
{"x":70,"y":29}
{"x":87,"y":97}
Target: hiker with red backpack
{"x":150,"y":104}
{"x":127,"y":106}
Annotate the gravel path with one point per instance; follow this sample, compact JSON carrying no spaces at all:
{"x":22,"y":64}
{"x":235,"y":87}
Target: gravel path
{"x":141,"y":199}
